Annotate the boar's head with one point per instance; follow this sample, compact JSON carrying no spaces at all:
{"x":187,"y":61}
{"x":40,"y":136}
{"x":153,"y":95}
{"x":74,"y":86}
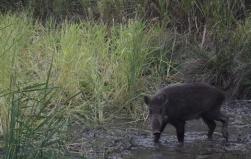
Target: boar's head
{"x":157,"y":114}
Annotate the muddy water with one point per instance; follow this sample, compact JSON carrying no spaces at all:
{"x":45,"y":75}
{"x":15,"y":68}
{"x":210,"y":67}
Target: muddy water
{"x":134,"y":141}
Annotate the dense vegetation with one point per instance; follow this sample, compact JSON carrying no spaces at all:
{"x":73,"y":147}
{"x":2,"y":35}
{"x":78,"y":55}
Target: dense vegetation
{"x":65,"y":62}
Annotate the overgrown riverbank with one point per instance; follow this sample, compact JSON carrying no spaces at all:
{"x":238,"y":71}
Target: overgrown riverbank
{"x":57,"y":74}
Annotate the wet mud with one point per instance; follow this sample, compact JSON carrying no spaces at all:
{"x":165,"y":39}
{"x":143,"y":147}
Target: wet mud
{"x":125,"y":140}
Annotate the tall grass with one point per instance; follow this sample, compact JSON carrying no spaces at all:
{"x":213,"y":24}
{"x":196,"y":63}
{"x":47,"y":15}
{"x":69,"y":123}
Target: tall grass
{"x":105,"y":69}
{"x":15,"y":35}
{"x":219,"y":62}
{"x":32,"y":125}
{"x":35,"y":127}
{"x":97,"y":74}
{"x":102,"y":68}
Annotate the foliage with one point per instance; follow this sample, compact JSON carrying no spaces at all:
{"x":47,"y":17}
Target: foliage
{"x":33,"y":126}
{"x":105,"y":58}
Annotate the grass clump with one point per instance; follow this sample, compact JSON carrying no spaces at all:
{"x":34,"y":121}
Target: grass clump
{"x":95,"y":72}
{"x":14,"y":35}
{"x":104,"y":67}
{"x":101,"y":66}
{"x":34,"y":127}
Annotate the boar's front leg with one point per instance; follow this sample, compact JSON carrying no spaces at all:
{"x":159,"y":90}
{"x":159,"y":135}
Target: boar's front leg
{"x":180,"y":130}
{"x":163,"y":125}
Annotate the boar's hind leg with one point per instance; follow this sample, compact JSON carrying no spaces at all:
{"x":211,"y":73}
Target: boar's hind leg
{"x":211,"y":125}
{"x":224,"y":119}
{"x":180,"y":130}
{"x":218,"y":116}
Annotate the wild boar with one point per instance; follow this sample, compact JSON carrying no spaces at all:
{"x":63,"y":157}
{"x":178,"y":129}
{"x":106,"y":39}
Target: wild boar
{"x":179,"y":103}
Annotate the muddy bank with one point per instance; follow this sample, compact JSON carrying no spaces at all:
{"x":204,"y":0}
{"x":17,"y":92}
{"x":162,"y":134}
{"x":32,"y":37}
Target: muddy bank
{"x":126,"y":140}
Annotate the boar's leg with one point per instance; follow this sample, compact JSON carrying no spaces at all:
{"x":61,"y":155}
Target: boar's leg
{"x":157,"y":135}
{"x":180,"y":130}
{"x":211,"y":125}
{"x":163,"y":125}
{"x":218,"y":116}
{"x":224,"y":119}
{"x":156,"y":138}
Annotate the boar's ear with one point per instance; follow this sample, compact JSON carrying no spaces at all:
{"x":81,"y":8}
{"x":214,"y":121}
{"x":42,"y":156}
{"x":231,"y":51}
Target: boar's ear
{"x":147,"y":99}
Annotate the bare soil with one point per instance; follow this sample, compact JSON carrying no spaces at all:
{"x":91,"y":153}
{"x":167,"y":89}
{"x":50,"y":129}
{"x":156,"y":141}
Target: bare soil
{"x":133,"y":140}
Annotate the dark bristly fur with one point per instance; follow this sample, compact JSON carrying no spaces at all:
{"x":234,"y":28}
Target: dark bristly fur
{"x":181,"y":102}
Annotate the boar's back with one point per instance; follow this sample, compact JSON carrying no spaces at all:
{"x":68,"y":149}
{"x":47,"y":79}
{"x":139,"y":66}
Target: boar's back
{"x":189,"y":101}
